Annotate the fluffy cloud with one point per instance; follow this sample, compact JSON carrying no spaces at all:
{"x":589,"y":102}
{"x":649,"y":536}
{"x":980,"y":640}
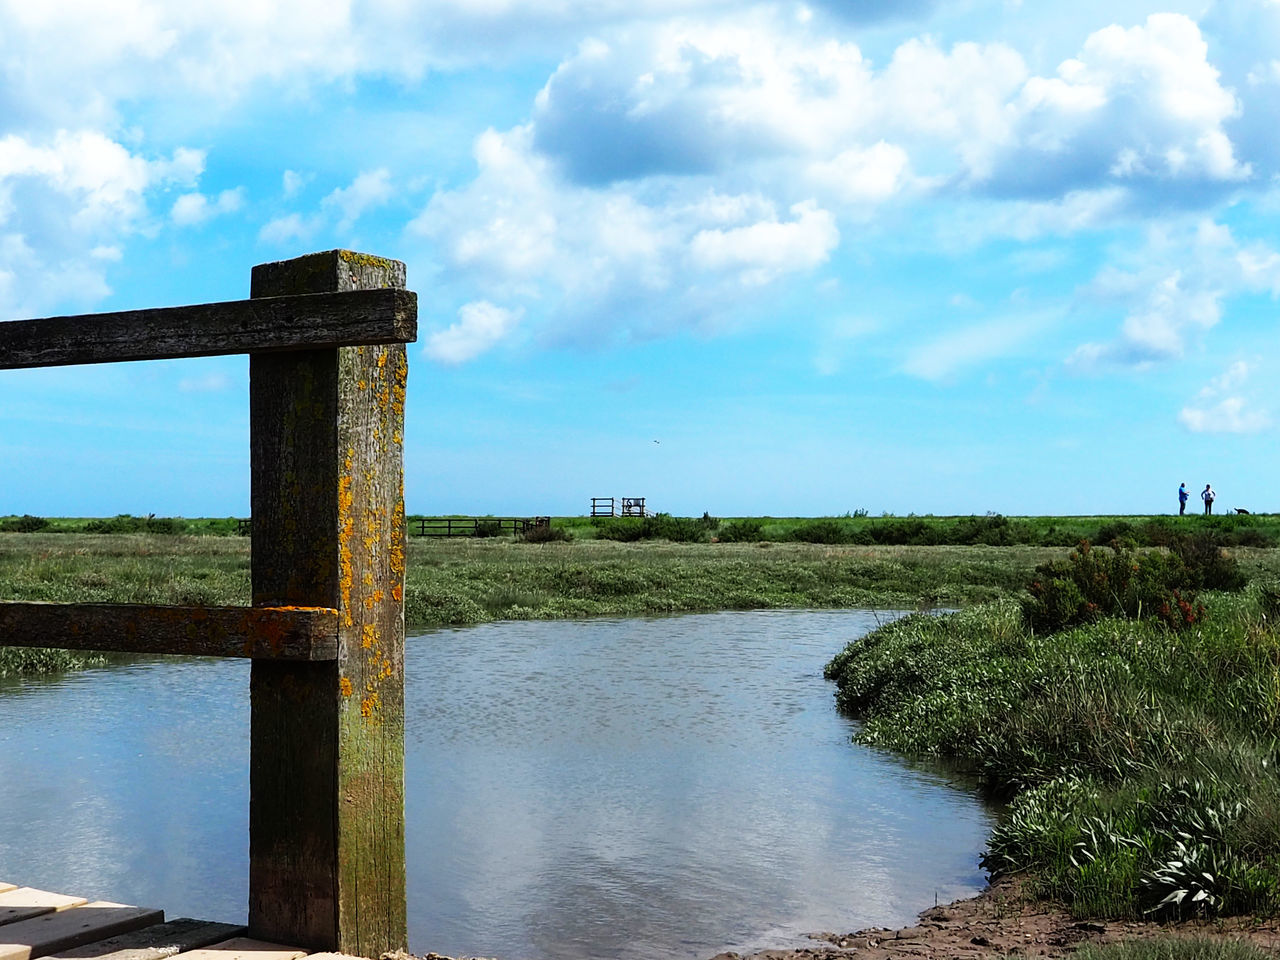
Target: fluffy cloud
{"x":1176,"y":292}
{"x":481,"y":326}
{"x":1223,"y":408}
{"x":681,"y":256}
{"x":692,"y":97}
{"x":65,"y":202}
{"x":369,"y":189}
{"x":1136,"y":104}
{"x":192,"y":209}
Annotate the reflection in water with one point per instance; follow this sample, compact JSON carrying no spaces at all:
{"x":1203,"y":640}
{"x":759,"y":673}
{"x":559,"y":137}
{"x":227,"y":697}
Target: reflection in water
{"x":614,"y":788}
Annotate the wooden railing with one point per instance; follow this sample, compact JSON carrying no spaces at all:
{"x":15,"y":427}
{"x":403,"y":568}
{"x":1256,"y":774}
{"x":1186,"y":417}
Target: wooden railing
{"x":474,"y":526}
{"x":325,"y":336}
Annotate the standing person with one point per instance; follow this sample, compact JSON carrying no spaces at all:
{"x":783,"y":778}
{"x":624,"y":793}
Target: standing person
{"x":1208,"y":496}
{"x":1183,"y":496}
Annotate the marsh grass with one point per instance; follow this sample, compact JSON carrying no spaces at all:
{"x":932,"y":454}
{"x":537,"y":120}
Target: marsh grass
{"x":1139,"y":762}
{"x":493,"y":575}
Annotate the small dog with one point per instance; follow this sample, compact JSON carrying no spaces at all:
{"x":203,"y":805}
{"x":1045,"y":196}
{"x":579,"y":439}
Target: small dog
{"x":1241,"y":510}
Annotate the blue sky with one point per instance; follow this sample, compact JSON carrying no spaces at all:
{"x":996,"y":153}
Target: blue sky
{"x":941,"y":256}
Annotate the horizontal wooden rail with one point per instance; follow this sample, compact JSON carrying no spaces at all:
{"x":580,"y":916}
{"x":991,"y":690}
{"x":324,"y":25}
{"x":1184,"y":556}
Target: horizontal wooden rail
{"x":267,"y":633}
{"x":265,"y":324}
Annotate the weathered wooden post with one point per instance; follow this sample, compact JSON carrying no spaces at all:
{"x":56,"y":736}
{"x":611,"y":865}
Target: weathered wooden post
{"x":326,"y":811}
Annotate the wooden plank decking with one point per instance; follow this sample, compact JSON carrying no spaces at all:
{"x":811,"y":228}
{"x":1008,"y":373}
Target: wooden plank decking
{"x":36,"y":923}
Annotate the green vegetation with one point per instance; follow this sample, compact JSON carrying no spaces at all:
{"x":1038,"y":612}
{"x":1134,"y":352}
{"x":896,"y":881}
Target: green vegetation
{"x":1245,"y":530}
{"x":124,"y":523}
{"x":1173,"y":948}
{"x":472,"y":580}
{"x":1138,"y":753}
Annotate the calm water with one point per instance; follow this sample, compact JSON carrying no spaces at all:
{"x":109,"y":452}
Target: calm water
{"x":654,"y":788}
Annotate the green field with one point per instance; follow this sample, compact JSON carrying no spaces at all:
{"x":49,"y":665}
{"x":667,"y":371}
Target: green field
{"x":1252,"y":530}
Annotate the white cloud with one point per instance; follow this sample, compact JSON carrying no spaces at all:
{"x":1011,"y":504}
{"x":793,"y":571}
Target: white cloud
{"x":66,"y":203}
{"x":292,"y":182}
{"x":290,"y":228}
{"x":208,"y":383}
{"x":863,"y":176}
{"x":648,"y":263}
{"x":957,"y":349}
{"x":1233,"y":412}
{"x":689,"y":96}
{"x":371,"y":188}
{"x":768,"y":248}
{"x":481,"y":326}
{"x":1233,"y":377}
{"x":1175,"y":292}
{"x":1229,"y":415}
{"x":195,"y":208}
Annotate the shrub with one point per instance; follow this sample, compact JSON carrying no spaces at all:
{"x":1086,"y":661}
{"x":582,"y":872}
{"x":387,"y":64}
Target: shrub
{"x":1109,"y":533}
{"x":659,"y":526}
{"x":488,"y":528}
{"x":1208,"y":566}
{"x":23,"y":524}
{"x":1091,"y":584}
{"x":126,"y":523}
{"x":742,"y":531}
{"x":821,"y":531}
{"x":663,"y":526}
{"x":622,"y":529}
{"x":546,"y":533}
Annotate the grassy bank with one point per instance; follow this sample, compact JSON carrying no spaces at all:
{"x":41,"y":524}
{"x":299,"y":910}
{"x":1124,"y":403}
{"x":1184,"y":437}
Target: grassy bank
{"x":471,"y":581}
{"x":1140,"y":760}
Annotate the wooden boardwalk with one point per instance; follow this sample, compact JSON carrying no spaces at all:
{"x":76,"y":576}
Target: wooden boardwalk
{"x":36,"y":923}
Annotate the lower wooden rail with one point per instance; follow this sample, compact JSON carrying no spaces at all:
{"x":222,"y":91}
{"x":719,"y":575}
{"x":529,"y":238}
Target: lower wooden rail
{"x":266,"y":633}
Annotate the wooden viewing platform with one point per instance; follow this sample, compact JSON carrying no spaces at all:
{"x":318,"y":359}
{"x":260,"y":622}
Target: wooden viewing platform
{"x":37,"y":923}
{"x":326,"y":336}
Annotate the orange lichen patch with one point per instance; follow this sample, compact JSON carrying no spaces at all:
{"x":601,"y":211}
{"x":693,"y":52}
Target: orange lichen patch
{"x":397,"y":593}
{"x":344,"y":686}
{"x":363,"y":384}
{"x":346,"y":527}
{"x":372,"y":599}
{"x":369,"y":635}
{"x":368,"y":705}
{"x":382,"y":359}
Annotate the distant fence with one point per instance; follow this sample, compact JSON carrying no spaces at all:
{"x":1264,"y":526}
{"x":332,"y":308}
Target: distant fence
{"x":474,"y":526}
{"x":618,"y":507}
{"x":452,"y":526}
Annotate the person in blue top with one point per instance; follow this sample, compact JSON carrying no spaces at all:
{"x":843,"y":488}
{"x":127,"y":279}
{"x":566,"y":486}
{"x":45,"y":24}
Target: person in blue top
{"x":1183,"y":496}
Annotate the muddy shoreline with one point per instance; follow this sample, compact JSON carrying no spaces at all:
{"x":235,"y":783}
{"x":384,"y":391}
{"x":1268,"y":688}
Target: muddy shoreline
{"x":999,"y":922}
{"x":1002,"y":921}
